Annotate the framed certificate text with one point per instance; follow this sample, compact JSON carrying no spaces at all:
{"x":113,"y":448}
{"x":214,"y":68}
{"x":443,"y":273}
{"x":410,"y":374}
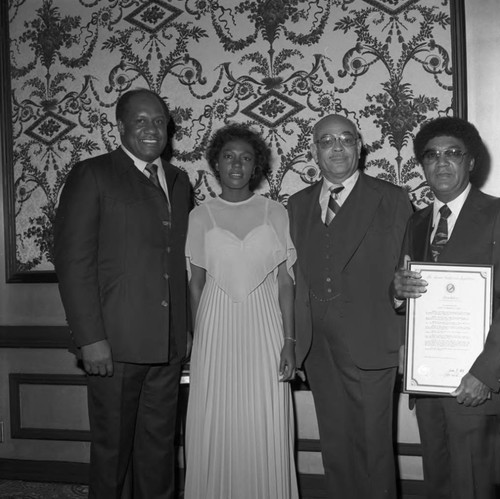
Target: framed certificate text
{"x":447,"y":326}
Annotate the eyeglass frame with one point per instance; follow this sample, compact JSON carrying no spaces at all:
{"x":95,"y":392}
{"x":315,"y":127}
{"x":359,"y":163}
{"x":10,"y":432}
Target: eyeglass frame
{"x":443,"y":152}
{"x":337,"y":137}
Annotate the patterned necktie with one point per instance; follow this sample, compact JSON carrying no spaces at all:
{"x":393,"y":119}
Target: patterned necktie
{"x":441,"y":235}
{"x":333,"y":206}
{"x":153,"y":177}
{"x":153,"y":174}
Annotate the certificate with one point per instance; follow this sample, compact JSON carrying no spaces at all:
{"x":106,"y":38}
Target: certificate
{"x":447,"y":326}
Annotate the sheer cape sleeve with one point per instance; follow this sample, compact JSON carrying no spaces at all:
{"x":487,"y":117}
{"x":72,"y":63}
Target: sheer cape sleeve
{"x":278,"y":218}
{"x":240,"y":245}
{"x":199,"y":224}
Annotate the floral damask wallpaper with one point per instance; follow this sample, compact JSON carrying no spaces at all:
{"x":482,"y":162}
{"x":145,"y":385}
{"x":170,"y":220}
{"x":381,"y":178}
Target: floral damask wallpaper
{"x":278,"y":65}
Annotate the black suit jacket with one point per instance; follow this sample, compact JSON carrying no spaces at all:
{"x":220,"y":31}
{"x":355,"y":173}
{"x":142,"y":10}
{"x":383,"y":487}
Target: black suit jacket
{"x":368,"y":235}
{"x":120,"y":265}
{"x":475,"y":239}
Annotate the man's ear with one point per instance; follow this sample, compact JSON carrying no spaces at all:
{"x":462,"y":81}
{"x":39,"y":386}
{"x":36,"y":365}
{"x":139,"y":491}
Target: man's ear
{"x":472,"y":164}
{"x":314,"y":151}
{"x":121,"y":127}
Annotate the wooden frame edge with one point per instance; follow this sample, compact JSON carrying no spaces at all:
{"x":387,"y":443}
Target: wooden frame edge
{"x":17,"y":431}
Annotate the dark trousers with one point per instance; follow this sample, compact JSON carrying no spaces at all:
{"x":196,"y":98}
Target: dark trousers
{"x":354,"y":409}
{"x":460,"y":451}
{"x":132,"y":419}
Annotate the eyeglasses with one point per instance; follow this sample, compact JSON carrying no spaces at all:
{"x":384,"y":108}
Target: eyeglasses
{"x":328,"y":141}
{"x":432,"y":156}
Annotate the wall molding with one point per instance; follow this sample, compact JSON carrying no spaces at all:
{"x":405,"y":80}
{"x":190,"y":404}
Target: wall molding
{"x":44,"y":471}
{"x":17,"y":430}
{"x":34,"y":337}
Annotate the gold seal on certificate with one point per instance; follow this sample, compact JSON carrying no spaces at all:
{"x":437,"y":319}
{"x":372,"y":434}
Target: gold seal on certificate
{"x":447,"y":326}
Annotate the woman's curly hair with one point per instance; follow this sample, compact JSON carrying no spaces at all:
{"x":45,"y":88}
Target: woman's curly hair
{"x":238,"y":131}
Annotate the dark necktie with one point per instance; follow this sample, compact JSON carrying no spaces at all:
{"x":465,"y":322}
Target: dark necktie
{"x":441,"y":235}
{"x":333,"y":205}
{"x":153,"y":174}
{"x":153,"y":177}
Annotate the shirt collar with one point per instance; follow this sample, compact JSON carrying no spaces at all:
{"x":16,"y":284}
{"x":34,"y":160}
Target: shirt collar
{"x":347,"y":183}
{"x":454,"y":205}
{"x":140,"y":163}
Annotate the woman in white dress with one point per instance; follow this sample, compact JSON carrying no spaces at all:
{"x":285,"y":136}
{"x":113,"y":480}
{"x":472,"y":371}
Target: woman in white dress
{"x":239,"y":433}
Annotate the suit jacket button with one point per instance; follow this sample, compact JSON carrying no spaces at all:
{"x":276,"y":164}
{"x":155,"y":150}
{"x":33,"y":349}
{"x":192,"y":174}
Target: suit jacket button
{"x":168,"y":249}
{"x":164,"y":303}
{"x":166,"y":276}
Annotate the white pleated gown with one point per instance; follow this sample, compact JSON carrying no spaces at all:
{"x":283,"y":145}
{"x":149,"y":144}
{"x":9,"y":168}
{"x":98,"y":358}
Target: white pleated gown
{"x":239,"y":433}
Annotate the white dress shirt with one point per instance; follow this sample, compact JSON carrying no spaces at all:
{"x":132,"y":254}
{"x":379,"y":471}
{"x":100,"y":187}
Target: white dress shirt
{"x":141,"y":166}
{"x":455,"y":207}
{"x":325,"y":193}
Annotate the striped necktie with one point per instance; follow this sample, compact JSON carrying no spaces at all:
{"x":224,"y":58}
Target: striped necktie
{"x":153,"y":174}
{"x":441,"y":235}
{"x":333,"y":205}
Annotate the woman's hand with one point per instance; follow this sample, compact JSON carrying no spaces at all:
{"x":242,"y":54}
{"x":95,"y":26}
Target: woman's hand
{"x":287,"y":361}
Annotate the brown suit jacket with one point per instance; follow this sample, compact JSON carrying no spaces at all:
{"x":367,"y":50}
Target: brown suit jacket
{"x":368,"y":235}
{"x":121,"y":268}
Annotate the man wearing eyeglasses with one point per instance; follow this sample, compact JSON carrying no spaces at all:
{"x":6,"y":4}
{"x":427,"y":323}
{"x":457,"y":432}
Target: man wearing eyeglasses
{"x":348,"y":229}
{"x":460,"y":434}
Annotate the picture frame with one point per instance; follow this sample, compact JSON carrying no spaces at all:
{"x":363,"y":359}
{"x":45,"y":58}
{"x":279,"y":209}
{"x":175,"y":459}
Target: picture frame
{"x":446,"y":327}
{"x":15,"y":270}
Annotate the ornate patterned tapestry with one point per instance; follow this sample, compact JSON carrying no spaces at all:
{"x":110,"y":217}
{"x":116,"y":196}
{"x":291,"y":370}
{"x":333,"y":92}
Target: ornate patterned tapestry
{"x":278,"y":65}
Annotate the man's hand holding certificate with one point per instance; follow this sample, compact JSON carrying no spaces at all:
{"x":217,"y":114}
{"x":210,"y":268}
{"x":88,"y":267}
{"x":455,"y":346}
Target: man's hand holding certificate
{"x":408,"y":283}
{"x":471,"y":391}
{"x":448,"y":318}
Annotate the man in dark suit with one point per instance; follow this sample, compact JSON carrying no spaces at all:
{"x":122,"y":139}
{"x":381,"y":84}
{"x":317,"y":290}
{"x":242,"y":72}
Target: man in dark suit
{"x":460,"y":434}
{"x":348,"y":230}
{"x":119,"y":255}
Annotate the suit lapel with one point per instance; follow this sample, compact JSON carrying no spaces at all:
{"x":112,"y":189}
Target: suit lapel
{"x":468,"y":227}
{"x":170,"y":176}
{"x":353,"y":220}
{"x":305,"y":214}
{"x":139,"y":183}
{"x":125,"y":164}
{"x":421,"y":235}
